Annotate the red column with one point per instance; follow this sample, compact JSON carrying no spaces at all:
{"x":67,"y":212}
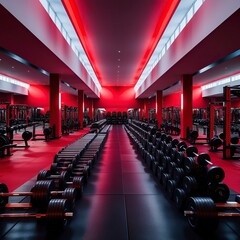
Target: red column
{"x":227,"y":122}
{"x":80,"y":107}
{"x":55,"y":104}
{"x":159,"y":105}
{"x":90,"y":113}
{"x":145,"y":110}
{"x":186,"y":105}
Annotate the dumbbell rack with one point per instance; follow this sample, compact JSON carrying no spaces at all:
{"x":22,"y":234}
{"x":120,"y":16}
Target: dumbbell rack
{"x":174,"y":166}
{"x":85,"y":148}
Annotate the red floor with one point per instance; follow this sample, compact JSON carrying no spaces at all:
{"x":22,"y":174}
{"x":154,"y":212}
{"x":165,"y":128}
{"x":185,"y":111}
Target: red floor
{"x":25,"y":163}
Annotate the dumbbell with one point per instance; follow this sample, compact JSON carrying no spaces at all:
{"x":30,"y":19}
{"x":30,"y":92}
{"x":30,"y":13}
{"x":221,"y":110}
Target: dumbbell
{"x":56,"y":168}
{"x":63,"y":180}
{"x":59,"y":179}
{"x":40,"y":194}
{"x":202,"y":213}
{"x":203,"y":159}
{"x":56,"y":216}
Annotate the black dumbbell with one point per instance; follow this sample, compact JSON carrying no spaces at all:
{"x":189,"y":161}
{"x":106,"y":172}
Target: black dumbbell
{"x":40,"y":195}
{"x":63,"y":180}
{"x":203,"y":159}
{"x":202,"y":213}
{"x":57,"y":214}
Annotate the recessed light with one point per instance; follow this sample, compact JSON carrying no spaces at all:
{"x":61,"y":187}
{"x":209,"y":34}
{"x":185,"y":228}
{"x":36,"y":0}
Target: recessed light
{"x":119,"y":51}
{"x":12,"y":66}
{"x":119,"y":59}
{"x":118,"y":66}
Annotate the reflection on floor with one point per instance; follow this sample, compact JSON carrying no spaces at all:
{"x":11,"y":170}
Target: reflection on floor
{"x":122,"y":201}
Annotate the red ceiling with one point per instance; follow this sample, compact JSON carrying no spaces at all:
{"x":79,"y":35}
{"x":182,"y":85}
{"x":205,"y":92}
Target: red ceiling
{"x":119,"y":36}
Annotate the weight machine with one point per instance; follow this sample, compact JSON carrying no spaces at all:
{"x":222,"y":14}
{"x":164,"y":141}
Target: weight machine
{"x":229,"y":147}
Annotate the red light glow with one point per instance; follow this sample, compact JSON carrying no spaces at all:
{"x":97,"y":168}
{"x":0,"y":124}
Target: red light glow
{"x":77,"y":22}
{"x":163,"y":21}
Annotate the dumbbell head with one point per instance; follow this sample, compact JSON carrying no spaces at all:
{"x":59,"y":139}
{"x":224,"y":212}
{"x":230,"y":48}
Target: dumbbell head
{"x":203,"y":159}
{"x":54,"y":168}
{"x":27,"y":135}
{"x":3,"y":200}
{"x":175,"y":142}
{"x":71,"y":195}
{"x":182,"y":146}
{"x":55,"y":214}
{"x":202,"y":214}
{"x":42,"y":193}
{"x":218,"y":192}
{"x":215,"y":174}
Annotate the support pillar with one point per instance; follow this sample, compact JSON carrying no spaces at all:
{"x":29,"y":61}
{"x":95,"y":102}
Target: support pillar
{"x":159,"y":104}
{"x":186,"y":105}
{"x":227,"y":123}
{"x":80,"y":107}
{"x":90,"y":113}
{"x":145,"y":110}
{"x":55,"y":105}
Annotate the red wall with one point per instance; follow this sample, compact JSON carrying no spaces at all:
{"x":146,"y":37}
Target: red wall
{"x":175,"y":99}
{"x":117,"y":99}
{"x":38,"y":96}
{"x":69,"y":99}
{"x":172,"y":100}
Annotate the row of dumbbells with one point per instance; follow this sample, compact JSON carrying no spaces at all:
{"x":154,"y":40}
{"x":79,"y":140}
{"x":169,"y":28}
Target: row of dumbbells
{"x":72,"y":165}
{"x":56,"y":190}
{"x":181,"y":170}
{"x":185,"y":176}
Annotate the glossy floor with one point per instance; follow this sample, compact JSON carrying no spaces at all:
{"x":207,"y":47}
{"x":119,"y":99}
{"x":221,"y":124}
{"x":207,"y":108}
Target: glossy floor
{"x":121,"y":201}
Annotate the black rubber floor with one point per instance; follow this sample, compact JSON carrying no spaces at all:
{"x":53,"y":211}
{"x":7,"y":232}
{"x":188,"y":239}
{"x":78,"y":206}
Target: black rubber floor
{"x":121,"y":201}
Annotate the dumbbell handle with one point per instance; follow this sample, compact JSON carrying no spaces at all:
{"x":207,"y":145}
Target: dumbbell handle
{"x":219,"y":214}
{"x":30,"y":215}
{"x":13,"y":194}
{"x":204,"y":159}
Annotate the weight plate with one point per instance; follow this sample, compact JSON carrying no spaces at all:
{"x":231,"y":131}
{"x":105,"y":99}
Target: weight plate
{"x":171,"y":167}
{"x":3,"y":200}
{"x":71,"y":195}
{"x":216,"y":143}
{"x":41,"y":194}
{"x":189,"y":165}
{"x":204,"y":217}
{"x":179,"y":198}
{"x":182,"y":146}
{"x":203,"y":159}
{"x":215,"y":174}
{"x":222,"y":136}
{"x":56,"y":214}
{"x":190,"y":185}
{"x":43,"y":175}
{"x":159,"y":174}
{"x":168,"y":139}
{"x":191,"y":150}
{"x":194,"y":134}
{"x":178,"y":175}
{"x":175,"y":142}
{"x":180,"y":158}
{"x":77,"y":183}
{"x":219,"y":192}
{"x":165,"y":178}
{"x":27,"y":135}
{"x":171,"y":185}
